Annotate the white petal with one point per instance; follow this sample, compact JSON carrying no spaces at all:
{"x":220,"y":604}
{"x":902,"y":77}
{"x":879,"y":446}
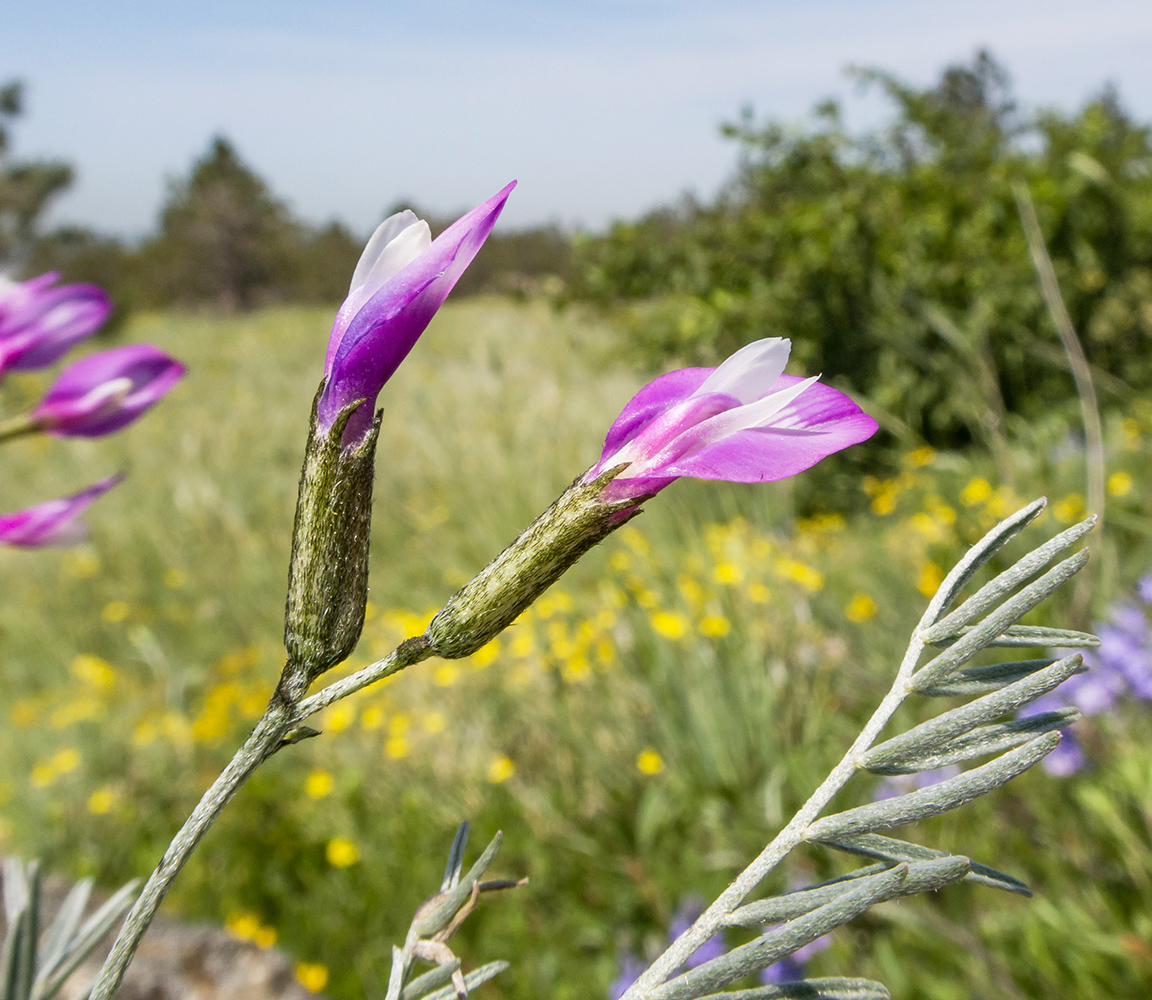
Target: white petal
{"x":751,"y":371}
{"x":386,"y":253}
{"x":739,"y":418}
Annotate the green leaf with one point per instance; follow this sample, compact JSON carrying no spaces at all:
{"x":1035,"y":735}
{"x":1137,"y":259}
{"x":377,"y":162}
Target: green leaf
{"x":1029,"y":635}
{"x":990,"y":595}
{"x":443,"y":907}
{"x":936,"y":734}
{"x":473,"y":979}
{"x":904,"y":879}
{"x":811,"y":989}
{"x":980,"y":742}
{"x":995,"y":624}
{"x":981,"y":680}
{"x":980,"y":553}
{"x":935,"y":799}
{"x":873,"y":845}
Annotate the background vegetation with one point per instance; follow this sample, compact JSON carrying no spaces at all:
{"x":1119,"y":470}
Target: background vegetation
{"x":653,"y":720}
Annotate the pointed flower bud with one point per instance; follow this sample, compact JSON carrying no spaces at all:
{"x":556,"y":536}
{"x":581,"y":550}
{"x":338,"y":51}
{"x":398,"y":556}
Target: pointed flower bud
{"x":401,"y":280}
{"x":54,"y":522}
{"x":745,"y":421}
{"x":104,"y":392}
{"x":39,"y":324}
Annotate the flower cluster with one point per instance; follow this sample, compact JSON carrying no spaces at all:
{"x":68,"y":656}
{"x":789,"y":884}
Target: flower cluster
{"x":40,"y":322}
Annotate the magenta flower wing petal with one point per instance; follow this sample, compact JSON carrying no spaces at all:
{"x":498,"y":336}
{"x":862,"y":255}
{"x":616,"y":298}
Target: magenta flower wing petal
{"x":387,"y":326}
{"x":818,"y":423}
{"x":106,"y":391}
{"x":649,"y":403}
{"x":54,"y":522}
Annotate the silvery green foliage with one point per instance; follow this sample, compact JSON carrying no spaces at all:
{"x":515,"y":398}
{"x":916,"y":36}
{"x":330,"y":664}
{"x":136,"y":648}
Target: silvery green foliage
{"x":33,"y":966}
{"x":987,"y":619}
{"x":436,"y":920}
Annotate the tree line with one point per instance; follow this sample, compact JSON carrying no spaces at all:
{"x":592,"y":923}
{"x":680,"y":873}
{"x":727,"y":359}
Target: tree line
{"x":223,"y":239}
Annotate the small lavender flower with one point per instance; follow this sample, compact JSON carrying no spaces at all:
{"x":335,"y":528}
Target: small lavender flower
{"x":746,"y":422}
{"x":39,"y":323}
{"x":1144,"y":588}
{"x":54,"y":522}
{"x":631,"y":969}
{"x":104,"y":392}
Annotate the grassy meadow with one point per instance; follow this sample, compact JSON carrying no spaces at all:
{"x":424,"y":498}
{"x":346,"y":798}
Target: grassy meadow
{"x":638,"y":735}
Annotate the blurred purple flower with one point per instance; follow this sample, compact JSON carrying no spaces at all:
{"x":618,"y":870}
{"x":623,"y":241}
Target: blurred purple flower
{"x":401,"y":280}
{"x":54,"y":522}
{"x":39,"y":323}
{"x":106,"y":391}
{"x":902,"y":784}
{"x":1066,"y":759}
{"x":631,"y":969}
{"x":746,"y":422}
{"x":690,"y":909}
{"x":1144,"y":588}
{"x":791,"y":968}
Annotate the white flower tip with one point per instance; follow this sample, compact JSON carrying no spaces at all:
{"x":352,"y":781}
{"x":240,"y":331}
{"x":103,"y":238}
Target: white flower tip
{"x":397,"y":241}
{"x":751,"y":371}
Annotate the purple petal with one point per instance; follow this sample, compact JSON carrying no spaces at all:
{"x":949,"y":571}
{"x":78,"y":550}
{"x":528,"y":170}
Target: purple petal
{"x":106,"y":391}
{"x":632,"y":969}
{"x":817,"y":424}
{"x":54,"y":522}
{"x":1144,"y":588}
{"x":388,"y":325}
{"x":39,"y":324}
{"x":656,"y":397}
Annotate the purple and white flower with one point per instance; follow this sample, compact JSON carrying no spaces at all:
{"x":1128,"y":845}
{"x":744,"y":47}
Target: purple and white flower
{"x":54,"y":522}
{"x":39,"y":324}
{"x":402,"y":278}
{"x":104,"y":392}
{"x":745,"y":421}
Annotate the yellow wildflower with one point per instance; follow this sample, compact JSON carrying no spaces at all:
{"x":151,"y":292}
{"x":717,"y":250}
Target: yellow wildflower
{"x":649,"y":761}
{"x":115,"y":611}
{"x":931,"y":576}
{"x":669,"y":625}
{"x":312,"y":975}
{"x":341,"y":853}
{"x":500,"y":769}
{"x":715,"y":626}
{"x":318,"y":784}
{"x":977,"y":491}
{"x":1120,"y":484}
{"x":860,"y":609}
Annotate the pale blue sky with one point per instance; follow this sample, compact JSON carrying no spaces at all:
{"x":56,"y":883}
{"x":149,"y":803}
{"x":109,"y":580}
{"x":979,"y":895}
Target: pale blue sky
{"x":600,"y":109}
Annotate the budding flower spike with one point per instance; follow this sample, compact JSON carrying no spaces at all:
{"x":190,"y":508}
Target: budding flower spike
{"x":54,"y":522}
{"x":746,"y":422}
{"x":402,"y":278}
{"x":106,"y":391}
{"x":39,"y":324}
